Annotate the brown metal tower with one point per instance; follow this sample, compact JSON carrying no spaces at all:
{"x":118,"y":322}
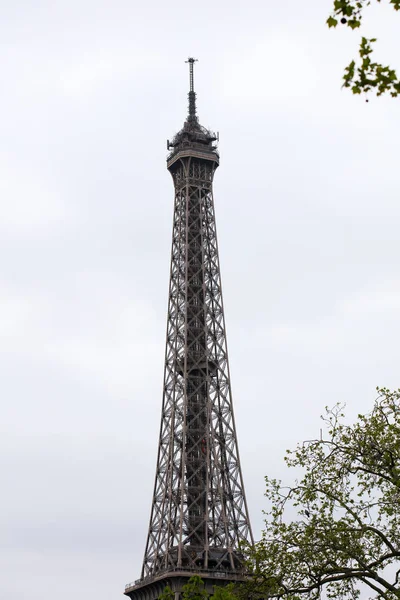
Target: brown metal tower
{"x":199,"y":519}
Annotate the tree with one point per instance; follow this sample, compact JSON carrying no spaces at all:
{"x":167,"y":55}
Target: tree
{"x":167,"y":594}
{"x":345,"y":535}
{"x":194,"y":589}
{"x":224,"y":593}
{"x":367,"y":75}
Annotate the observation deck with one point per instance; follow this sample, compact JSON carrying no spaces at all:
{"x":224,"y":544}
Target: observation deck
{"x":193,"y":140}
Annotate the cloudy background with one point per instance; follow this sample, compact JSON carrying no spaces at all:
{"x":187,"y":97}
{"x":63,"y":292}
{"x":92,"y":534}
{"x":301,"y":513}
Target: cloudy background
{"x":308,"y":217}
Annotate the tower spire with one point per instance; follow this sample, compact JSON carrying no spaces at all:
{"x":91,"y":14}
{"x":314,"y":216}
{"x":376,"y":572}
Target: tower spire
{"x":192,"y":94}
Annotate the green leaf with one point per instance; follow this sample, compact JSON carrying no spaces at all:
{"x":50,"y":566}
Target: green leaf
{"x":354,"y":23}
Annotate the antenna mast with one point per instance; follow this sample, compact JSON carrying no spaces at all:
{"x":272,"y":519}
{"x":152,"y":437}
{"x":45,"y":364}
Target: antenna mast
{"x":192,"y":94}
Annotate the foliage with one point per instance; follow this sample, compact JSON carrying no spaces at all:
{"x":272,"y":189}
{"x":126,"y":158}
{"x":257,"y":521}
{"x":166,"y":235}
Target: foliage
{"x":367,"y":75}
{"x":194,"y":590}
{"x":167,"y":594}
{"x":224,"y":593}
{"x":346,"y":532}
{"x":370,"y":74}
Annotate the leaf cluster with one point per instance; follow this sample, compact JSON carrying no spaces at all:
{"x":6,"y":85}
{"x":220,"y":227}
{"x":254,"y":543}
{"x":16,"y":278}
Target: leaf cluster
{"x":370,"y":75}
{"x":346,"y":532}
{"x":194,"y":589}
{"x":367,"y":75}
{"x":350,"y":12}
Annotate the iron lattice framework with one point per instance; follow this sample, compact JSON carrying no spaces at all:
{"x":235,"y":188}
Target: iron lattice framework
{"x":199,"y":518}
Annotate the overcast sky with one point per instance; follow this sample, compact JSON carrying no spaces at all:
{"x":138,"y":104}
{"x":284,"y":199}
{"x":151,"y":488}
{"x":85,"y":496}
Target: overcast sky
{"x":307,"y":203}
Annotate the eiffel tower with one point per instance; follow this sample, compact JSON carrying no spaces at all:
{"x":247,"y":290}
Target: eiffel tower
{"x":199,"y":518}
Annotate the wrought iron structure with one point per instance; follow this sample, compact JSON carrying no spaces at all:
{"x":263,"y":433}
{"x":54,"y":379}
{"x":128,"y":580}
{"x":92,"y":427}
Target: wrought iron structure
{"x":199,"y":518}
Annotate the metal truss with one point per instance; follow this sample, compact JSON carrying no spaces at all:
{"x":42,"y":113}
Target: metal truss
{"x":199,"y":517}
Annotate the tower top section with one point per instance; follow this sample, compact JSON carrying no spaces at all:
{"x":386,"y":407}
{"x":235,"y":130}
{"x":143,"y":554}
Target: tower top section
{"x":193,"y":139}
